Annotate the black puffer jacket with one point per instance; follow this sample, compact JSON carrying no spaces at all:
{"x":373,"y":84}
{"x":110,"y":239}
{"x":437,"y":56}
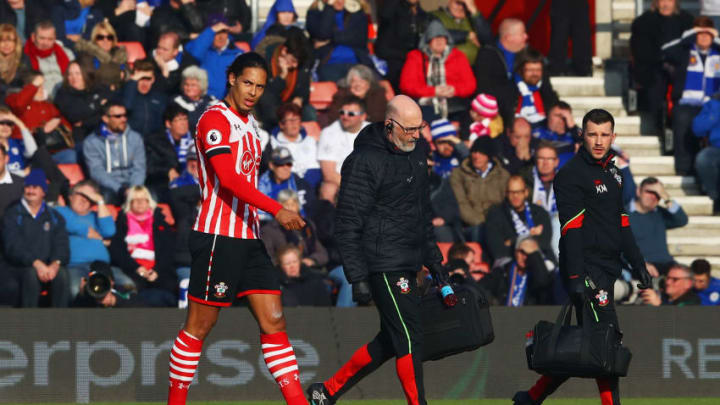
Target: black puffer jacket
{"x":383,"y":220}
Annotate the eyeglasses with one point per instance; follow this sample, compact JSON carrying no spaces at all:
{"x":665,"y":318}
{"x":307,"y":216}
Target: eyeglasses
{"x":516,"y":191}
{"x":117,"y":115}
{"x":409,"y":130}
{"x":351,"y":113}
{"x":7,"y":123}
{"x":288,"y":164}
{"x":109,"y":37}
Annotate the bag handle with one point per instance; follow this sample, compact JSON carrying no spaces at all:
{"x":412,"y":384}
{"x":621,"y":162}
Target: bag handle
{"x":563,"y":319}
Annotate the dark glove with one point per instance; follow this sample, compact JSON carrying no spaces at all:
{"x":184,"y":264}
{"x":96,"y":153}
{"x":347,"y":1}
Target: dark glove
{"x":576,"y":290}
{"x":361,"y":292}
{"x":437,"y":271}
{"x":645,"y":279}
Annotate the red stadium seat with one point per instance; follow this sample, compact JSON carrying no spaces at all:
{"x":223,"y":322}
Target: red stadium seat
{"x":168,"y":214}
{"x":243,"y":46}
{"x":389,"y":92}
{"x":72,"y":172}
{"x":135,"y":51}
{"x":321,"y":94}
{"x":312,"y":128}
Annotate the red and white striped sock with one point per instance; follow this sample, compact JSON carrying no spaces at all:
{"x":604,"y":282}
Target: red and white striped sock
{"x":280,"y":360}
{"x":184,"y":359}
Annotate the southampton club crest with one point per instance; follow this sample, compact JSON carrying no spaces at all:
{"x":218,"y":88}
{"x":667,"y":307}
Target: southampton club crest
{"x":404,"y":285}
{"x":220,"y":290}
{"x":602,"y":297}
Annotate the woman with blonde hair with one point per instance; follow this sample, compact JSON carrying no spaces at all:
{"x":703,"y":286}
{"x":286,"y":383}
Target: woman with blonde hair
{"x":14,"y":64}
{"x":102,"y":55}
{"x":143,"y":248}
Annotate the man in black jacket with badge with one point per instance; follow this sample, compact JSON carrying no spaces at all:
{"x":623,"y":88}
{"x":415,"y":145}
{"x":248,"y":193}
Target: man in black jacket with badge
{"x":595,"y":232}
{"x":384,"y":231}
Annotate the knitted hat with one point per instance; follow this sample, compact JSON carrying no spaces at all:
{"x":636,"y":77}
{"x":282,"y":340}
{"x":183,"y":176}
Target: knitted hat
{"x":441,"y":128}
{"x":485,"y":105}
{"x":484,"y":145}
{"x":37,"y":178}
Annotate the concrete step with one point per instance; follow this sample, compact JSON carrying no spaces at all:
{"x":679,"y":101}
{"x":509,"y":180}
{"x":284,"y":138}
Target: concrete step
{"x":714,"y":262}
{"x":702,"y":226}
{"x":677,"y":186}
{"x":578,"y":86}
{"x":652,"y":165}
{"x":624,"y":125}
{"x":695,"y":204}
{"x":582,"y":105}
{"x":623,"y":10}
{"x":639,"y":145}
{"x":693,"y":246}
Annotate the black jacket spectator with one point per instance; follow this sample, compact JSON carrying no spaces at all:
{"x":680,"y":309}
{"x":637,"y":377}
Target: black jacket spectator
{"x":10,"y":193}
{"x":161,"y":157}
{"x":383,"y":221}
{"x":35,"y":11}
{"x":279,"y":90}
{"x":321,"y":26}
{"x":400,"y":27}
{"x":124,"y":23}
{"x":275,"y":237}
{"x":164,"y":239}
{"x":444,"y":205}
{"x":184,"y":199}
{"x":649,"y":32}
{"x":325,"y":224}
{"x":501,"y":235}
{"x":71,"y":10}
{"x":82,"y":107}
{"x":26,"y":239}
{"x":498,"y":282}
{"x":145,"y":111}
{"x":182,"y":18}
{"x":309,"y":289}
{"x":491,"y":75}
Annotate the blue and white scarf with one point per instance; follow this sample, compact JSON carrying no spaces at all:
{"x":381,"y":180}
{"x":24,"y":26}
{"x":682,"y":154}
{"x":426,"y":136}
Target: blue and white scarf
{"x":518,"y":288}
{"x":542,"y":197}
{"x":701,"y":80}
{"x":522,"y":228}
{"x":530,"y":104}
{"x":181,"y":148}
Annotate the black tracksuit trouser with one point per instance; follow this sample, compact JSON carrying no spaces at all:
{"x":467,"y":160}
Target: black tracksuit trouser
{"x":397,"y":299}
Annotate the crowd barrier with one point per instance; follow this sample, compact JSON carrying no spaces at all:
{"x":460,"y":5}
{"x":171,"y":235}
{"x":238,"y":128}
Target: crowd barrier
{"x":122,"y":355}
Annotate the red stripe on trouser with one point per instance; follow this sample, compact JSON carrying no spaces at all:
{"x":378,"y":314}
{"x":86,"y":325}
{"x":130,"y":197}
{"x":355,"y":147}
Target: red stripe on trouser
{"x":406,"y":374}
{"x":540,"y":387}
{"x":186,"y":350}
{"x":280,"y":359}
{"x":606,"y":394}
{"x":359,"y":359}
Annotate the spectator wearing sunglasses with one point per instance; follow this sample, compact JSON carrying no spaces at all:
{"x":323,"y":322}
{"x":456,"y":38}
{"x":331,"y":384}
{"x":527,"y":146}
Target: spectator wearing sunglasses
{"x":102,"y":55}
{"x":281,"y":177}
{"x":18,"y":151}
{"x":115,"y":155}
{"x":361,"y":82}
{"x":336,"y":143}
{"x":290,"y":134}
{"x":678,"y":289}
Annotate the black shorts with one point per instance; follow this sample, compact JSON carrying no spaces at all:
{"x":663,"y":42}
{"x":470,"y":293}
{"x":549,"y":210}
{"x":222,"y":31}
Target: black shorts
{"x":224,"y":268}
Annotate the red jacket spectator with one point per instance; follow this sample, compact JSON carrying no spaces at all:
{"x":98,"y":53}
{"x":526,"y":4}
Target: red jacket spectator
{"x":34,"y":111}
{"x":442,"y":87}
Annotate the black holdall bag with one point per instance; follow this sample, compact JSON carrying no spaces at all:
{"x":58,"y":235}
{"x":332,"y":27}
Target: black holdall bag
{"x":591,"y":350}
{"x":464,"y":327}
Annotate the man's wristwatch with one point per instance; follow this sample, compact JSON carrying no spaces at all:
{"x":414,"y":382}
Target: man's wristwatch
{"x":100,"y":202}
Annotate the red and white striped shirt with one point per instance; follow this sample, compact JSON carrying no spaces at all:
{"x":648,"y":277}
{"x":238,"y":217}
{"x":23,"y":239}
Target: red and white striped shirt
{"x":229,"y":154}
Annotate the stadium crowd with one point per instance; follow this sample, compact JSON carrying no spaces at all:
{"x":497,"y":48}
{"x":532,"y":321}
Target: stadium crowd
{"x":98,"y":168}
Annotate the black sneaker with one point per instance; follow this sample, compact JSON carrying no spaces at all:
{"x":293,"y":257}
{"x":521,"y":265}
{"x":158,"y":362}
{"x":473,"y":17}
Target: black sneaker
{"x":522,"y":398}
{"x":319,"y":395}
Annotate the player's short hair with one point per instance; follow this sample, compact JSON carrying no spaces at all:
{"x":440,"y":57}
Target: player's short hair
{"x":517,"y":177}
{"x":245,"y":61}
{"x":285,"y":250}
{"x":561,"y":105}
{"x":352,"y":99}
{"x":286,"y":195}
{"x":172,"y":111}
{"x":528,"y":55}
{"x":172,"y":35}
{"x":458,"y":250}
{"x":700,"y":266}
{"x":598,"y":116}
{"x":288,"y":108}
{"x":649,"y":181}
{"x":110,"y":104}
{"x":685,"y":269}
{"x":703,"y":22}
{"x":546,"y":145}
{"x":144,"y":65}
{"x":43,"y":25}
{"x":87,"y":182}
